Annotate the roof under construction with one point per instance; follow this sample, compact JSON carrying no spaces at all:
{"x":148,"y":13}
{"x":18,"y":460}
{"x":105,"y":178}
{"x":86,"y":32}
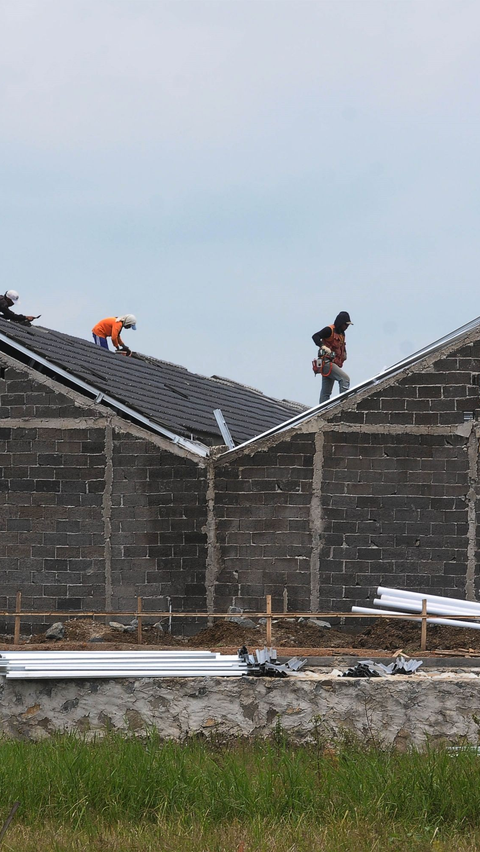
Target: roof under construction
{"x":413,"y":360}
{"x":166,"y":394}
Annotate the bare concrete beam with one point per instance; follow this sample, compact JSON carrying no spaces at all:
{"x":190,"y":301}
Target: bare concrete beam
{"x":213,"y":565}
{"x":316,"y":523}
{"x":107,"y":515}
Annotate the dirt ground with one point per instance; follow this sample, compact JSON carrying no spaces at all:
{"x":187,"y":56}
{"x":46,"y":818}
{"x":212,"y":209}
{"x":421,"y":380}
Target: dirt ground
{"x":385,"y":635}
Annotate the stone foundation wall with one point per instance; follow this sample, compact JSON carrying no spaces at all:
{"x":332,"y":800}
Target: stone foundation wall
{"x":404,"y":711}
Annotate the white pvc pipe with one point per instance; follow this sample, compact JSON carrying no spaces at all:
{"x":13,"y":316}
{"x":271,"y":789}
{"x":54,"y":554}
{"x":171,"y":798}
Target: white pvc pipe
{"x":404,"y":593}
{"x":107,"y":673}
{"x":87,"y":664}
{"x":447,"y":621}
{"x":433,"y":608}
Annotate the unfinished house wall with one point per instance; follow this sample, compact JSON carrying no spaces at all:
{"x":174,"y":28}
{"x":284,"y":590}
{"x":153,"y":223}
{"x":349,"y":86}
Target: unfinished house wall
{"x":94,"y":510}
{"x":379,"y":489}
{"x":262,"y":510}
{"x":394,"y":513}
{"x":51,"y":485}
{"x":388,"y":496}
{"x":158,"y":518}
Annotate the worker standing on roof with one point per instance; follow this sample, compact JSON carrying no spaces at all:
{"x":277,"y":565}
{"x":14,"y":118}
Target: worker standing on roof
{"x":331,"y":339}
{"x":111,"y":327}
{"x":6,"y":301}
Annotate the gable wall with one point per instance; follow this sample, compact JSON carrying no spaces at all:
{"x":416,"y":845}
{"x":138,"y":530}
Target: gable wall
{"x":388,"y":497}
{"x":94,"y":512}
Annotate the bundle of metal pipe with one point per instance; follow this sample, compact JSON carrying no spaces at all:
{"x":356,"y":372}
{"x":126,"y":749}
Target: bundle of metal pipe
{"x":405,"y":601}
{"x":109,"y":664}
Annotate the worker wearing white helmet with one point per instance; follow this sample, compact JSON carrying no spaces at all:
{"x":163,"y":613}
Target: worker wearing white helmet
{"x":10,"y":298}
{"x":111,"y":327}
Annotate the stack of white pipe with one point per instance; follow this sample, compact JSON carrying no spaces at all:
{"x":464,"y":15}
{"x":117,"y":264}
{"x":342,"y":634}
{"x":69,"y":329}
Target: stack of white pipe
{"x":411,"y":602}
{"x":108,"y":664}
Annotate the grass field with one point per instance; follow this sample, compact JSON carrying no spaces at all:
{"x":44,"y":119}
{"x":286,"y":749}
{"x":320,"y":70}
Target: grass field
{"x":121,"y":793}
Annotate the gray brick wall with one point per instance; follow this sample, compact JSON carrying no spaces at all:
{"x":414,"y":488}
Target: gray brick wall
{"x":437,"y":396}
{"x":394,"y":514}
{"x":158,"y":520}
{"x":55,"y":510}
{"x":389,"y":499}
{"x":262,"y":506}
{"x":22,"y":396}
{"x":51,"y":545}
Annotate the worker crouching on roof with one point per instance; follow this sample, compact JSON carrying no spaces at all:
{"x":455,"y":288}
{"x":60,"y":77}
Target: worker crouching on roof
{"x":332,"y":339}
{"x":6,"y":302}
{"x":111,"y":327}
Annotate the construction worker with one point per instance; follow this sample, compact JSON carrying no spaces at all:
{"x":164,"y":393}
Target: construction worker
{"x":111,"y":327}
{"x":332,"y":340}
{"x":10,"y":298}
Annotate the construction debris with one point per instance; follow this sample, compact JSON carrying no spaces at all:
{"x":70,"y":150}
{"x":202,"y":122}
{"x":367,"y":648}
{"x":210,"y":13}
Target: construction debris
{"x":264,"y":663}
{"x":368,"y":668}
{"x":56,"y":631}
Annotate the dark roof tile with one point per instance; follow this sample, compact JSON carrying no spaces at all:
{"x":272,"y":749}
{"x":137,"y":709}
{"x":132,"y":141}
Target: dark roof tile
{"x":168,"y":394}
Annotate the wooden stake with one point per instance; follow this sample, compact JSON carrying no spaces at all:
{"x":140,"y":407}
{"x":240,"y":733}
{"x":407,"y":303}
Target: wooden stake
{"x":139,"y":619}
{"x":268,"y":599}
{"x":7,"y":822}
{"x":18,"y":609}
{"x":285,"y":599}
{"x":423,"y":637}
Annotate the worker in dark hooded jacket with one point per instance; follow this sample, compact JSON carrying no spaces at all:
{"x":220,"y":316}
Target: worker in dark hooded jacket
{"x":6,"y":302}
{"x":332,"y":339}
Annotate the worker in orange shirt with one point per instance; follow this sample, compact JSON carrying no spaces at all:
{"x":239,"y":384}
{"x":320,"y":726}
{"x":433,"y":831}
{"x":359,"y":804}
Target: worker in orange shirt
{"x":111,"y":327}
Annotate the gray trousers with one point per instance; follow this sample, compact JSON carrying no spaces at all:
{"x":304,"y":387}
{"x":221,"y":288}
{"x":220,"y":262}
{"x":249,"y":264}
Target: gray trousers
{"x":337,"y":375}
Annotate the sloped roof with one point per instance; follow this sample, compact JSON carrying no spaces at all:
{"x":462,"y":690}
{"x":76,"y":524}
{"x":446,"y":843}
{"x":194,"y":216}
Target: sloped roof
{"x":167,"y":394}
{"x":399,"y":368}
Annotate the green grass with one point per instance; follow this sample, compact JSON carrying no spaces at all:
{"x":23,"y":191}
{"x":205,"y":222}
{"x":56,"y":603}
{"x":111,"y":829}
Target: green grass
{"x":123,"y":793}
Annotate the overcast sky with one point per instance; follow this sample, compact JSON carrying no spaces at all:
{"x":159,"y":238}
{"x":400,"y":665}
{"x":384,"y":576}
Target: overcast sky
{"x":236,"y":172}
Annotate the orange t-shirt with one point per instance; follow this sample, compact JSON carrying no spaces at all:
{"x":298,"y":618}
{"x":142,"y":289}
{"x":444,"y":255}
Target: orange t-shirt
{"x":109,"y":327}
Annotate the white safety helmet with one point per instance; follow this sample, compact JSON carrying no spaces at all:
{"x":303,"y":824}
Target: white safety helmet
{"x":12,"y":295}
{"x":129,"y":321}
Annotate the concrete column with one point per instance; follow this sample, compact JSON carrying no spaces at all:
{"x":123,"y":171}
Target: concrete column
{"x":316,"y":523}
{"x":107,"y":514}
{"x":213,"y":549}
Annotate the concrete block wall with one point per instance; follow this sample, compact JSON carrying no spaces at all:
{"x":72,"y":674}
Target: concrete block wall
{"x":381,"y":489}
{"x":262,"y":508}
{"x":435,"y":396}
{"x":51,"y":540}
{"x":389,"y":496}
{"x":158,"y":511}
{"x":394,"y":513}
{"x":94,"y":511}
